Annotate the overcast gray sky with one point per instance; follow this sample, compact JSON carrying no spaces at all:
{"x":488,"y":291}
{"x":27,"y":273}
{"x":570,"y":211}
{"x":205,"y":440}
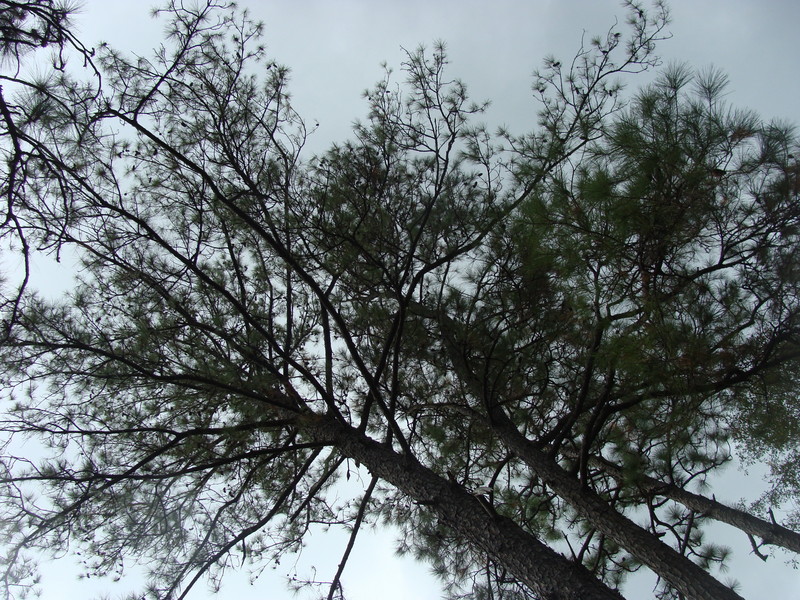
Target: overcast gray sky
{"x":335,"y":49}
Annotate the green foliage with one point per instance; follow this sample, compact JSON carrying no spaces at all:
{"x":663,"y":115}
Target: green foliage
{"x":621,"y":283}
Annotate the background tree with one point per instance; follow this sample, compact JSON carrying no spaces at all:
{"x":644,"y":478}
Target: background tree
{"x":527,"y":340}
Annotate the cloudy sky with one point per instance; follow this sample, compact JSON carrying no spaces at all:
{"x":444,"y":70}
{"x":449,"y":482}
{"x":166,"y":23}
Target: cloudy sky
{"x":335,"y":49}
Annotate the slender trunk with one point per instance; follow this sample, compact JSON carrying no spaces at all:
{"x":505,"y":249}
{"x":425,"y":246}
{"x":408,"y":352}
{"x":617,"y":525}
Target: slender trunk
{"x":770,"y":533}
{"x":681,"y":573}
{"x":546,"y":572}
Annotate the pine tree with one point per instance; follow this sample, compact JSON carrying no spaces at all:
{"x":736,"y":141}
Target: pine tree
{"x":528,"y":341}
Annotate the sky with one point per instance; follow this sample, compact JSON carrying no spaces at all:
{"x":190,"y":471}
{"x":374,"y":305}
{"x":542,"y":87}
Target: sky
{"x":335,"y":50}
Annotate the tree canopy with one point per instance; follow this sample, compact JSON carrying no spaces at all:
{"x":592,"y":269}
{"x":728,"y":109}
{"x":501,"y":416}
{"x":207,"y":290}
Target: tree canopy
{"x":539,"y":345}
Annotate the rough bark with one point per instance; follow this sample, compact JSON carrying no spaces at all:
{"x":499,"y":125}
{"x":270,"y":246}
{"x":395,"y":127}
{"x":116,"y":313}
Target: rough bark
{"x":546,"y":572}
{"x":681,"y":573}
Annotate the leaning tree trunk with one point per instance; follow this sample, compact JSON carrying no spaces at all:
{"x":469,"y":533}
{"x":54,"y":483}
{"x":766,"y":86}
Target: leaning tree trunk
{"x":546,"y":572}
{"x":770,"y":533}
{"x":680,"y":572}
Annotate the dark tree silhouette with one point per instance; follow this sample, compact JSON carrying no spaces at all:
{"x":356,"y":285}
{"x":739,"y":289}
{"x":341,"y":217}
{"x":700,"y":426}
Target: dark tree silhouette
{"x":533,"y":343}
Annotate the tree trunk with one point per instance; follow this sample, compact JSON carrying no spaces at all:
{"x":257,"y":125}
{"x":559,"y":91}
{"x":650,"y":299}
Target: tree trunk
{"x":681,"y":573}
{"x":546,"y":572}
{"x":770,"y":533}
